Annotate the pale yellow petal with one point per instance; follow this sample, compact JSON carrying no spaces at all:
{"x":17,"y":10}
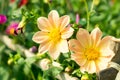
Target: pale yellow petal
{"x":67,"y":33}
{"x":44,"y":24}
{"x":53,"y":17}
{"x":96,"y":35}
{"x":79,"y":58}
{"x":54,"y":51}
{"x":75,"y":46}
{"x":63,"y":22}
{"x":63,"y":46}
{"x":83,"y":37}
{"x":44,"y":47}
{"x":90,"y":66}
{"x":82,"y":69}
{"x":106,"y":52}
{"x":101,"y":64}
{"x":105,"y":42}
{"x":40,"y":37}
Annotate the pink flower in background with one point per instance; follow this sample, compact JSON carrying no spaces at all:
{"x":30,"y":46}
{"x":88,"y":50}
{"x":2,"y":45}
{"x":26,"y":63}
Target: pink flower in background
{"x":11,"y":29}
{"x":91,"y":51}
{"x":3,"y":19}
{"x":77,"y":18}
{"x":54,"y":34}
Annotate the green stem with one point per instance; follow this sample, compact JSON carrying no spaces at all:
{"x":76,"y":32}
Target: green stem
{"x":2,"y":6}
{"x":33,"y":77}
{"x":87,"y":11}
{"x":92,"y":6}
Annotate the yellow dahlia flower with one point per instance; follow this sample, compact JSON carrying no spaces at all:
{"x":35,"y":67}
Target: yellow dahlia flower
{"x":54,"y":34}
{"x":90,"y":51}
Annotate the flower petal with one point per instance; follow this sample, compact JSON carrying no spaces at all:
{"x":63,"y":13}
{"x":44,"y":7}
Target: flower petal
{"x":40,"y":37}
{"x":79,"y":58}
{"x":90,"y":67}
{"x":82,"y":69}
{"x":44,"y":24}
{"x":101,"y":64}
{"x":105,"y":42}
{"x":64,"y":21}
{"x":67,"y":33}
{"x":83,"y":37}
{"x":44,"y":47}
{"x":96,"y":35}
{"x":75,"y":46}
{"x":53,"y":17}
{"x":54,"y":51}
{"x":63,"y":46}
{"x":107,"y":53}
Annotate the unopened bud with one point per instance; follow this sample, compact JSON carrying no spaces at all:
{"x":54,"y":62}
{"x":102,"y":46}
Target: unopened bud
{"x":96,"y":2}
{"x":77,"y":18}
{"x":56,"y":64}
{"x":44,"y":64}
{"x":22,"y":23}
{"x":10,"y":61}
{"x":85,"y":77}
{"x":67,"y":69}
{"x":33,"y":49}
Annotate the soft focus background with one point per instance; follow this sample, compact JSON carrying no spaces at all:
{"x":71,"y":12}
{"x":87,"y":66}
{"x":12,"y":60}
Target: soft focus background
{"x":13,"y":62}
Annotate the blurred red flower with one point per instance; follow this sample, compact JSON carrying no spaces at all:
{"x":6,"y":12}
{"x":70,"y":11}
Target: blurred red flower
{"x":22,"y":2}
{"x":11,"y":1}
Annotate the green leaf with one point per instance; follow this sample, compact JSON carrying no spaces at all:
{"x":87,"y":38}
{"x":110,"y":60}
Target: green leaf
{"x":52,"y":72}
{"x":31,"y":60}
{"x":4,"y":74}
{"x":77,"y":73}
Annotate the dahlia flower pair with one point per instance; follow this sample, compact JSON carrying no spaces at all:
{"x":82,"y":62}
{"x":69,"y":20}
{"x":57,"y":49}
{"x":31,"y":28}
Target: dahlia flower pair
{"x":89,"y":50}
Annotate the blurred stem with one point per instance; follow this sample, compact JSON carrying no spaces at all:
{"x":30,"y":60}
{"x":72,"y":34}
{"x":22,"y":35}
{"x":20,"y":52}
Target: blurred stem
{"x":87,"y":11}
{"x":69,"y":5}
{"x":92,"y":6}
{"x":33,"y":77}
{"x":2,"y":6}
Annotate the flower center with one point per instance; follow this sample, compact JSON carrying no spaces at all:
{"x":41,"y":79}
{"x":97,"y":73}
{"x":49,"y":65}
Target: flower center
{"x":92,"y":54}
{"x":55,"y":35}
{"x":12,"y":31}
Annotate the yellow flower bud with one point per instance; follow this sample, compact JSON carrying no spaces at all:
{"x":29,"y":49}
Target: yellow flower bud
{"x":10,"y":61}
{"x":22,"y":23}
{"x":67,"y":69}
{"x":85,"y":77}
{"x":96,"y":2}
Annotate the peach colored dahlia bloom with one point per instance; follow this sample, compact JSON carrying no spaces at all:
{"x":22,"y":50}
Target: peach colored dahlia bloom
{"x":91,"y":52}
{"x":54,"y":34}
